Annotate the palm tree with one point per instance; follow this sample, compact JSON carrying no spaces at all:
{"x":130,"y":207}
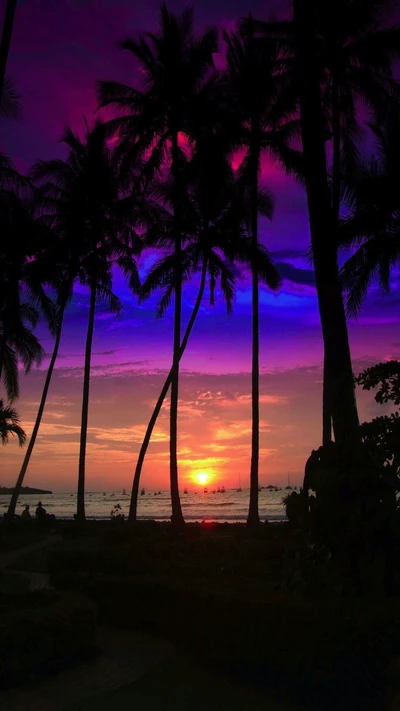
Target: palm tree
{"x":355,"y":44}
{"x":21,"y":277}
{"x":260,"y":105}
{"x":358,"y":46}
{"x":176,"y":66}
{"x":322,"y":227}
{"x":20,"y":480}
{"x":51,"y":267}
{"x":215,"y":215}
{"x":373,"y":220}
{"x":5,"y":41}
{"x":90,"y":206}
{"x":9,"y":425}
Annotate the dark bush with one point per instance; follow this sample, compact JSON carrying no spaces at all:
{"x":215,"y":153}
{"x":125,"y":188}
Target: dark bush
{"x":42,"y":633}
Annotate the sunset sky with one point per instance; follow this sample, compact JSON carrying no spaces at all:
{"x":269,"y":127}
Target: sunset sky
{"x":59,"y":49}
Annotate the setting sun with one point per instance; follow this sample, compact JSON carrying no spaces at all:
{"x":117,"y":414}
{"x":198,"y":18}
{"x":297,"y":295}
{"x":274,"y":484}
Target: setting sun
{"x":202,"y":477}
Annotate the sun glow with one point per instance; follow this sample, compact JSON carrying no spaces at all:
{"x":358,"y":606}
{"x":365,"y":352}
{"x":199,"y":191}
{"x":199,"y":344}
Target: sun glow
{"x":202,"y":477}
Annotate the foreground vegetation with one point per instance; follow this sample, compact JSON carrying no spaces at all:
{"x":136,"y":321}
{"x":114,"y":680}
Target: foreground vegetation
{"x":262,"y":607}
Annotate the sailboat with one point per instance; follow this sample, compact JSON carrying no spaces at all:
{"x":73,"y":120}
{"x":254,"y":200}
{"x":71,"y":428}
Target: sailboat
{"x":288,"y":488}
{"x":124,"y":492}
{"x":185,"y":491}
{"x":142,"y":493}
{"x":240,"y":485}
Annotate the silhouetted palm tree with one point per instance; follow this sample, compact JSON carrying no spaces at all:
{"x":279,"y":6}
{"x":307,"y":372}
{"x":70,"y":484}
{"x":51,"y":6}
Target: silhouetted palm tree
{"x":9,"y":425}
{"x":22,"y":280}
{"x":322,"y":226}
{"x":373,"y":220}
{"x":359,"y":45}
{"x":260,"y":108}
{"x":63,"y":301}
{"x":355,"y":44}
{"x":216,"y":221}
{"x":5,"y":41}
{"x":175,"y":65}
{"x":215,"y":213}
{"x":90,"y":207}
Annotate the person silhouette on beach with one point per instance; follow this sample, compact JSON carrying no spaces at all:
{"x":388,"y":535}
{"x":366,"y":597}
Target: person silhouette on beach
{"x":40,"y":512}
{"x":26,"y":515}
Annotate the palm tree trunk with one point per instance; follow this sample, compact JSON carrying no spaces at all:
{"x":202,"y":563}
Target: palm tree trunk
{"x":323,"y":233}
{"x":336,"y":189}
{"x":21,"y":476}
{"x":253,"y":518}
{"x":326,"y":410}
{"x":6,"y":40}
{"x":159,"y":403}
{"x":177,"y":516}
{"x":80,"y":513}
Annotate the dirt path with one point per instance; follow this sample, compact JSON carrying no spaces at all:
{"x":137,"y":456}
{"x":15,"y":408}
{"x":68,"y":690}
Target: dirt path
{"x":124,"y":657}
{"x":9,"y":558}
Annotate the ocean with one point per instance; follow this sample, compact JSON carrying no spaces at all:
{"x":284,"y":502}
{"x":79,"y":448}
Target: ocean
{"x":231,"y":506}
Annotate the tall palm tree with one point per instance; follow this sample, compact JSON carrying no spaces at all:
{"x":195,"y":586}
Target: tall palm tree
{"x":358,"y":46}
{"x":322,"y":226}
{"x":215,"y":215}
{"x":176,"y":66}
{"x":10,"y":425}
{"x":90,"y":206}
{"x":52,"y":267}
{"x":5,"y":41}
{"x":21,"y":476}
{"x":372,"y":223}
{"x":355,"y":44}
{"x":22,"y":293}
{"x":260,"y":106}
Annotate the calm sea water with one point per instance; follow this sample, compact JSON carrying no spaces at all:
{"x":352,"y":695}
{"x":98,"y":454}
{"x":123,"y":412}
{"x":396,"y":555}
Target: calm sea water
{"x":232,"y":506}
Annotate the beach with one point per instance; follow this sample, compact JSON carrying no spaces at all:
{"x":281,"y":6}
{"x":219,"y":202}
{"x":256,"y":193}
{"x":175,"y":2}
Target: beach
{"x":231,"y":506}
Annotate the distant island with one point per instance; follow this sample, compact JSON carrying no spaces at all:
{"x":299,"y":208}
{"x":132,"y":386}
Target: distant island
{"x":24,"y":490}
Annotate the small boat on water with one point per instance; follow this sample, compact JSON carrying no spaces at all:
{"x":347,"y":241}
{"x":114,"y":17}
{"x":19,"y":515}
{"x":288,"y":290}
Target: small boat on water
{"x":124,"y":492}
{"x":222,"y":490}
{"x":238,"y":490}
{"x":219,"y":490}
{"x":142,"y":493}
{"x":206,"y":490}
{"x":185,"y":491}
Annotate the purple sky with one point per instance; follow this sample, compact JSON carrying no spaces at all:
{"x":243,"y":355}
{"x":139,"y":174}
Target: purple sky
{"x":59,"y":49}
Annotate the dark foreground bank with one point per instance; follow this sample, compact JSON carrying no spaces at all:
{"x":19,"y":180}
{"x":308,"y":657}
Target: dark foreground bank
{"x":260,"y":607}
